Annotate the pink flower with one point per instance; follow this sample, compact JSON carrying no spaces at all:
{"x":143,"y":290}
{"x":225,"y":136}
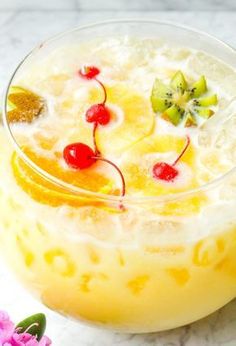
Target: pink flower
{"x":23,"y":339}
{"x":26,"y":339}
{"x":45,"y":341}
{"x":11,"y":336}
{"x":6,"y":327}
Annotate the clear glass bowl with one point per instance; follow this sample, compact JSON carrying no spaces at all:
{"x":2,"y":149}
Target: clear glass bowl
{"x":157,"y":276}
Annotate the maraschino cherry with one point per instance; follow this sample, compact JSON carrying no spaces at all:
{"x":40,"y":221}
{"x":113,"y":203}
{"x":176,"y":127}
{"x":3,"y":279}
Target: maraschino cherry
{"x":97,"y":113}
{"x":81,"y":156}
{"x":89,"y":72}
{"x":167,"y":172}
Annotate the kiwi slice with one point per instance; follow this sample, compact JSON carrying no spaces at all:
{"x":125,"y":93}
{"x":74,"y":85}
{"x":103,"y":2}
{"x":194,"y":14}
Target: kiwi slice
{"x":161,"y":96}
{"x":174,"y":114}
{"x":161,"y":104}
{"x":205,"y":113}
{"x":23,"y":105}
{"x":207,"y":101}
{"x":178,"y":102}
{"x":190,"y":120}
{"x":161,"y":90}
{"x":199,"y":88}
{"x":13,"y":90}
{"x":178,"y":82}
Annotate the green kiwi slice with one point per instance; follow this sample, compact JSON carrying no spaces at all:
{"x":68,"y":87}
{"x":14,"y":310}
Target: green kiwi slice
{"x":161,"y":90}
{"x":161,"y":104}
{"x":23,"y":105}
{"x":199,"y":88}
{"x":207,"y":101}
{"x":161,"y":96}
{"x":174,"y":114}
{"x":190,"y":120}
{"x":178,"y":82}
{"x":205,"y":113}
{"x":181,"y":103}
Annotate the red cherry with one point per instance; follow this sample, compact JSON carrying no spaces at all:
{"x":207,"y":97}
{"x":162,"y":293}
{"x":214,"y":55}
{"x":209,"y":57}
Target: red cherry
{"x":89,"y":72}
{"x":98,"y":113}
{"x":164,"y":171}
{"x":79,"y":155}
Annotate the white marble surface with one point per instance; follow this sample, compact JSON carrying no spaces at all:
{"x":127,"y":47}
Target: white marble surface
{"x":98,"y":5}
{"x":20,"y":31}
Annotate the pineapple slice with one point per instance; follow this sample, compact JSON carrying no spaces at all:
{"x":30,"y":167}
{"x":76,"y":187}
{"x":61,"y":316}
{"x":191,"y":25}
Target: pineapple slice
{"x":132,"y":119}
{"x":139,"y":160}
{"x":137,"y":169}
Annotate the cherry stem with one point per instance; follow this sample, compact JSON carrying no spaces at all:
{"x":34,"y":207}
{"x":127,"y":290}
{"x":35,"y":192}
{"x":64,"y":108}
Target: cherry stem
{"x":183,"y":151}
{"x":104,"y":90}
{"x":96,"y":150}
{"x":120,"y":174}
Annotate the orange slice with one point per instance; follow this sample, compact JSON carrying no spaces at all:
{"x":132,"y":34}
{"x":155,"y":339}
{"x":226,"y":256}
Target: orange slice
{"x":46,"y":192}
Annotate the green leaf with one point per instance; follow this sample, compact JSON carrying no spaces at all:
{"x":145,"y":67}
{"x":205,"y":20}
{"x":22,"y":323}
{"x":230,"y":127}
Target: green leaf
{"x":36,"y":330}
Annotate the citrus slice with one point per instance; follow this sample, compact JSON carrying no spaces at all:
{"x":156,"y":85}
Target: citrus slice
{"x":140,"y":159}
{"x":132,"y":118}
{"x":137,"y":169}
{"x":46,"y":192}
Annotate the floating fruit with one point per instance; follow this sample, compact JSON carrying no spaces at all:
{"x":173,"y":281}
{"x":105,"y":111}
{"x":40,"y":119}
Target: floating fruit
{"x":198,"y":88}
{"x":138,"y":168}
{"x":161,"y":97}
{"x":23,"y":105}
{"x":46,"y":192}
{"x":190,"y":120}
{"x":173,"y":114}
{"x":99,"y":114}
{"x":166,"y":172}
{"x":178,"y":82}
{"x":206,"y":101}
{"x":131,"y":118}
{"x":178,"y":102}
{"x":80,"y":156}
